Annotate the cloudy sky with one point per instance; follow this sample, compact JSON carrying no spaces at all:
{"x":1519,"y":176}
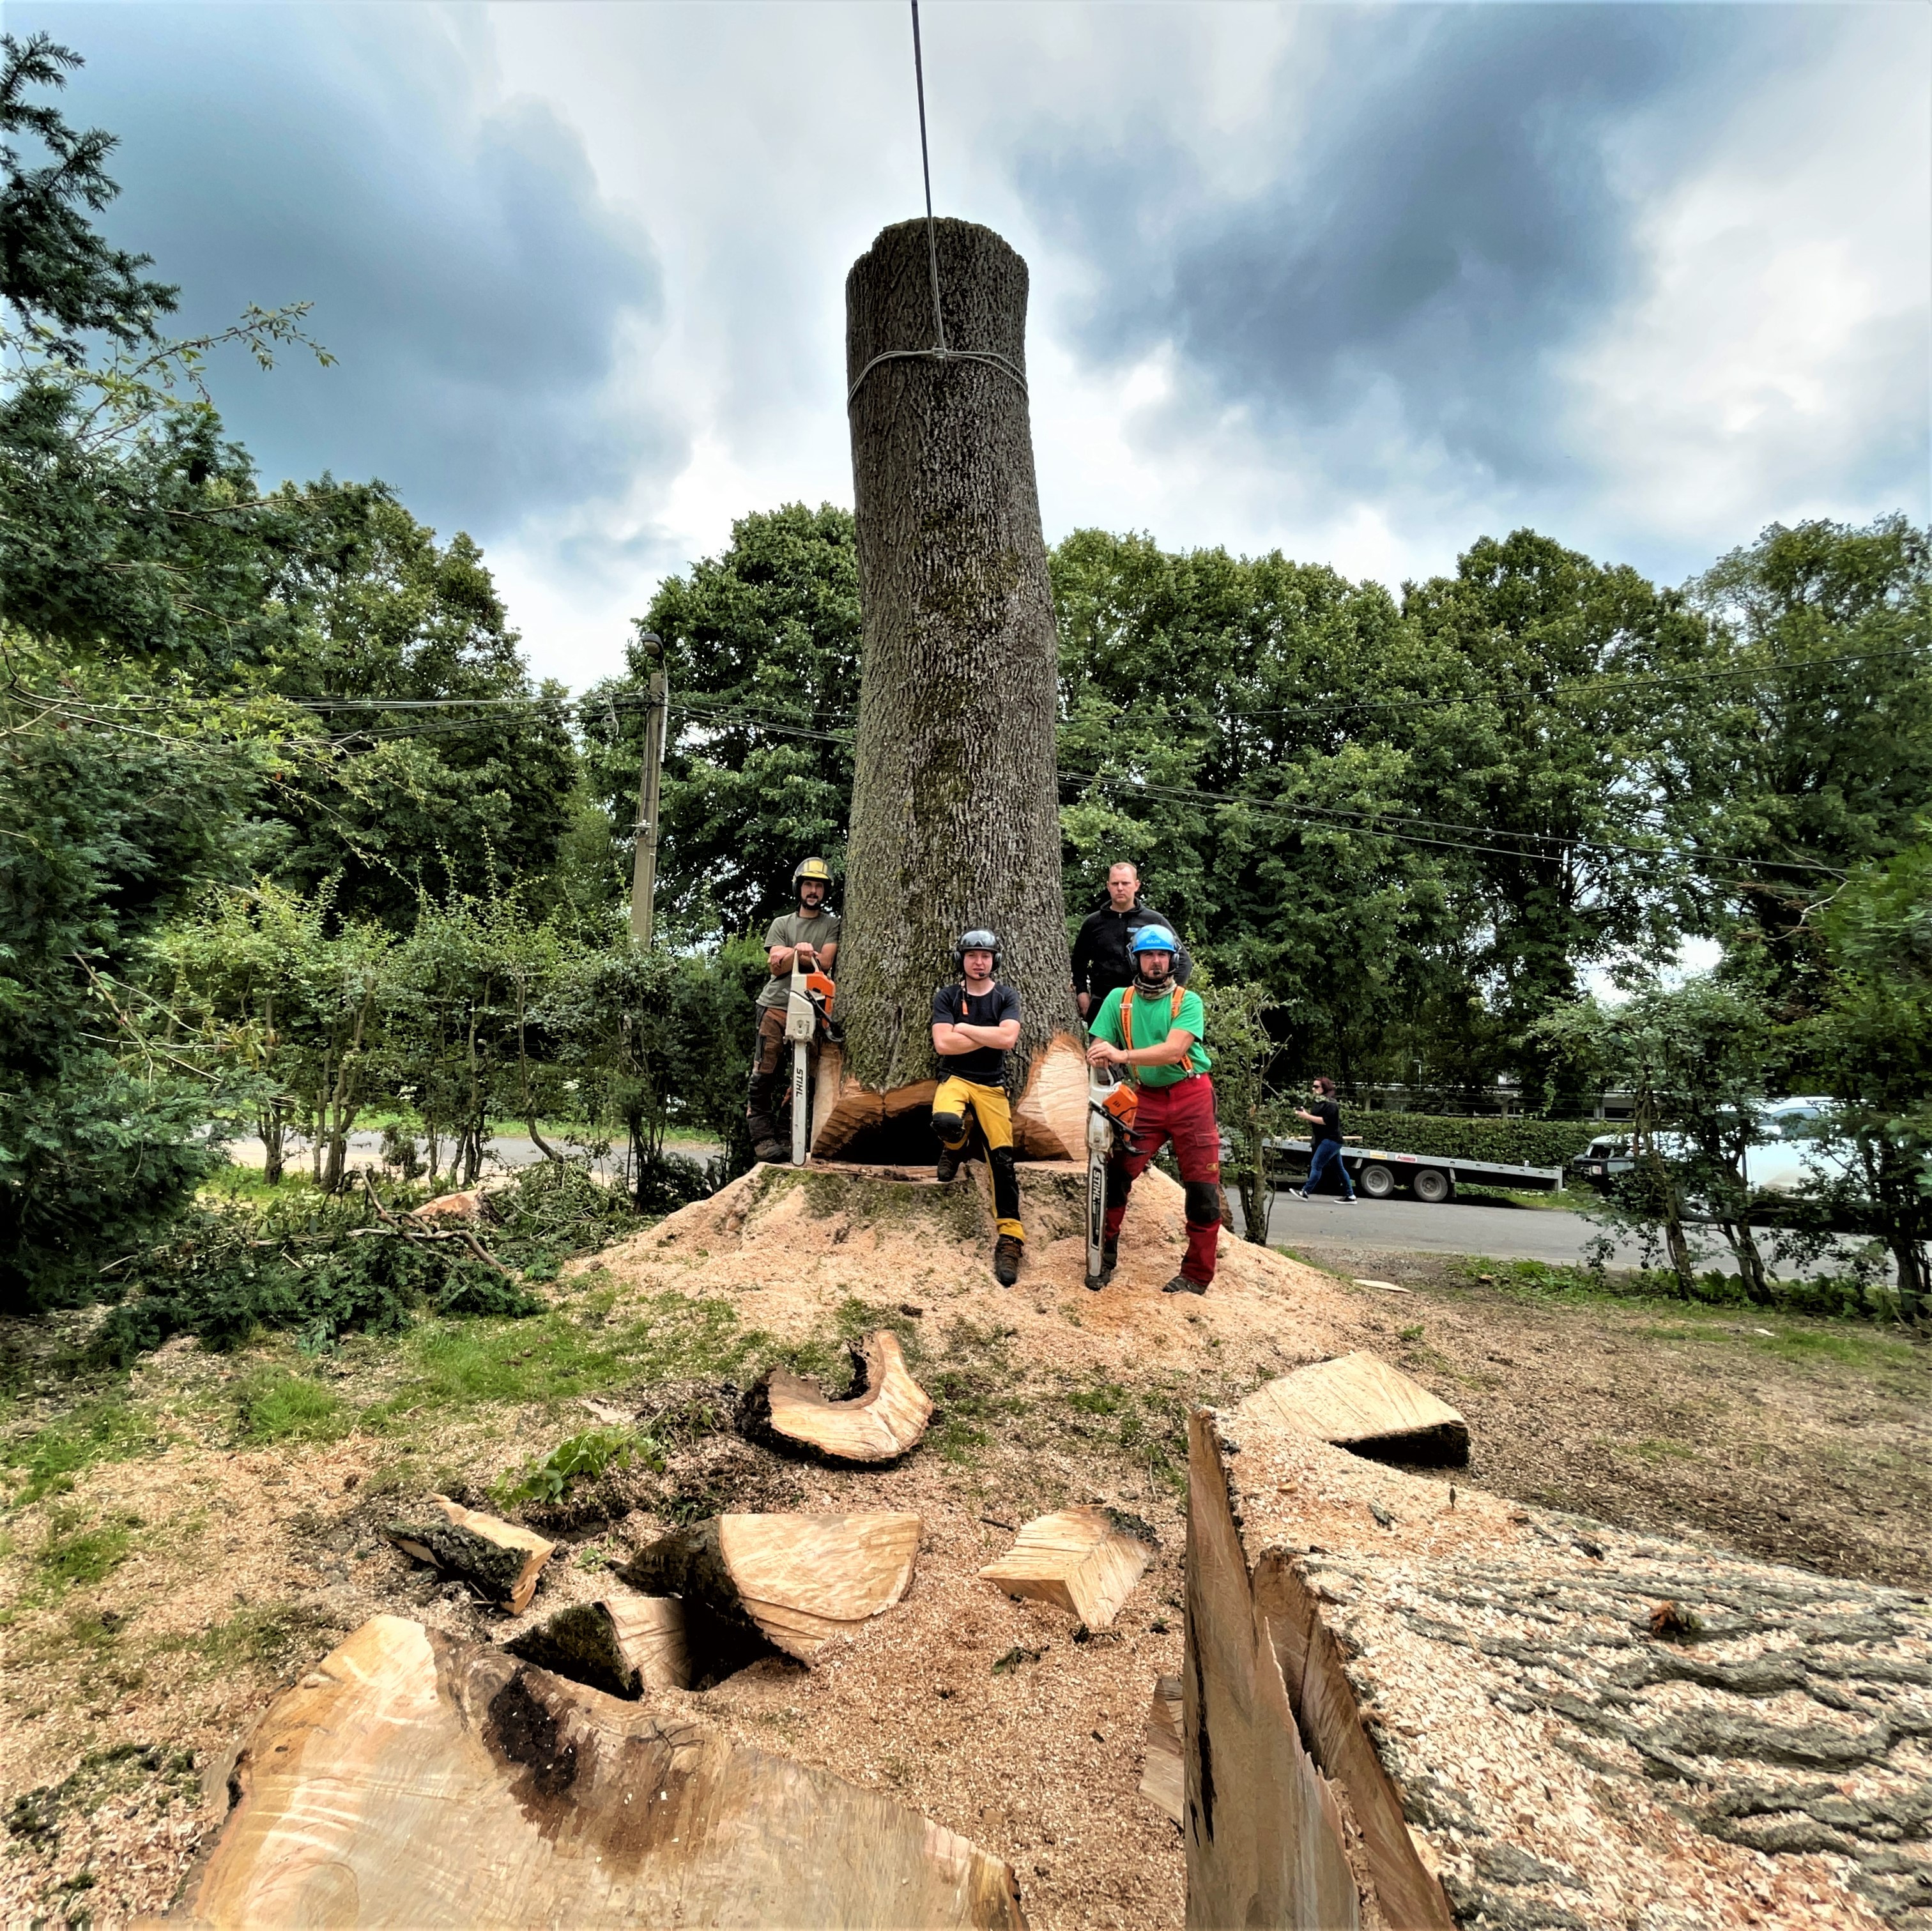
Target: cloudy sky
{"x":1359,"y":283}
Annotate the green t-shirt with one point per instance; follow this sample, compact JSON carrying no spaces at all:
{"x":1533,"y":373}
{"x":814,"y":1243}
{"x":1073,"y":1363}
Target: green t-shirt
{"x":793,"y":929}
{"x":1153,"y":1019}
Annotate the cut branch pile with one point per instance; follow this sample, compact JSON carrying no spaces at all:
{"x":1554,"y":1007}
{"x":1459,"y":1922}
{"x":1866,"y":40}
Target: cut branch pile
{"x":1358,"y":1401}
{"x":500,"y":1561}
{"x":884,"y":1417}
{"x":793,"y":1582}
{"x":1085,"y":1560}
{"x":624,"y":1645}
{"x":411,"y":1779}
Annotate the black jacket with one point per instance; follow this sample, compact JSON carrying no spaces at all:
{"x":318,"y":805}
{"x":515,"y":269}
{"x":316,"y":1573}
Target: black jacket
{"x":1101,"y":960}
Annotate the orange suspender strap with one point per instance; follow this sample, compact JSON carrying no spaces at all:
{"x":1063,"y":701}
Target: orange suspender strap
{"x":1127,"y":1022}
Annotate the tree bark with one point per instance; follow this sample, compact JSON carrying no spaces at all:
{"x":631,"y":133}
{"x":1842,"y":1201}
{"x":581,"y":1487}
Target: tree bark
{"x":956,"y":816}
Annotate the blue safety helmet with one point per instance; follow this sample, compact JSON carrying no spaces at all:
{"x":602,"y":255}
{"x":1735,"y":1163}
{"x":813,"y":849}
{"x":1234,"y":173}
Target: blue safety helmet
{"x":1154,"y":939}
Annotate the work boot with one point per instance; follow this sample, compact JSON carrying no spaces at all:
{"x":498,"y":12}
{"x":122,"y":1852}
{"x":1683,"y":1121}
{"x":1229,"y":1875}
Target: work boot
{"x":1007,"y":1252}
{"x":1110,"y":1259}
{"x":775,"y":1153}
{"x":948,"y":1168}
{"x":1181,"y":1285}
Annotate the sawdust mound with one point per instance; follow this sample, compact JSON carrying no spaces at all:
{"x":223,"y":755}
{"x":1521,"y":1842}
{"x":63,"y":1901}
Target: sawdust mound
{"x":794,"y":1244}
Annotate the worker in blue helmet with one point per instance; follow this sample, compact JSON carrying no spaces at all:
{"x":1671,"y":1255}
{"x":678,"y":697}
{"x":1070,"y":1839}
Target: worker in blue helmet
{"x":1150,"y":1030}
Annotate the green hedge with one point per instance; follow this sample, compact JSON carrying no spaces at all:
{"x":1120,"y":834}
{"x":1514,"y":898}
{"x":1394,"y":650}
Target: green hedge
{"x":1521,"y":1143}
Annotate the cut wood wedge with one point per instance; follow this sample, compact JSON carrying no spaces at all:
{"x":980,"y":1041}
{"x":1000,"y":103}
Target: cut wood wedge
{"x":1162,"y":1777}
{"x":796,"y":1581}
{"x":885,"y":1416}
{"x":1358,"y":1401}
{"x":1085,"y":1560}
{"x":624,"y":1645}
{"x":499,"y":1560}
{"x":412,"y":1779}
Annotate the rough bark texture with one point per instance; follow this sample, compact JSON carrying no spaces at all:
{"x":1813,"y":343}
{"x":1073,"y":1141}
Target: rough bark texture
{"x":1492,"y":1716}
{"x":955,"y":808}
{"x":1358,"y":1401}
{"x":500,"y":1561}
{"x":411,"y":1779}
{"x":884,"y":1417}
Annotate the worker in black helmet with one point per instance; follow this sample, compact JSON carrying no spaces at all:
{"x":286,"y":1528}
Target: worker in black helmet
{"x":976,"y":1024}
{"x":809,"y":937}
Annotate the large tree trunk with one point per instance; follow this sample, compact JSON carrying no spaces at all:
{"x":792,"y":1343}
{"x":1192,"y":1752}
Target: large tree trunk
{"x":956,"y":816}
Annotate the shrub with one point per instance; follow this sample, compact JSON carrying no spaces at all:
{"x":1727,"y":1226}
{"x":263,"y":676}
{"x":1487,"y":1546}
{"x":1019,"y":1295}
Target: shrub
{"x":1517,"y":1143}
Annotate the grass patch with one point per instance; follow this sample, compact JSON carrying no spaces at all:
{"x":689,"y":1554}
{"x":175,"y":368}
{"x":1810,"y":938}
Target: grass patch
{"x":581,"y":1457}
{"x":74,"y":1556}
{"x":271,"y":1405}
{"x":46,"y":1461}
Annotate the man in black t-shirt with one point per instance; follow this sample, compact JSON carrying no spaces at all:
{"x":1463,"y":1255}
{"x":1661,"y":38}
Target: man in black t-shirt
{"x":976,"y":1023}
{"x":1326,"y":1150}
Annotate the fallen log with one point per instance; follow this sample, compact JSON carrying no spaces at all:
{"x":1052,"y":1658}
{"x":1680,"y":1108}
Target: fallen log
{"x":623,"y":1644}
{"x":793,"y":1582}
{"x":499,"y":1561}
{"x":884,"y":1417}
{"x":1359,"y":1402}
{"x":1161,"y":1775}
{"x":413,"y":1779}
{"x":1084,"y":1560}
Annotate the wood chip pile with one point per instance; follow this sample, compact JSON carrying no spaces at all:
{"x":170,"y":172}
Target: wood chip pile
{"x":1466,"y":1712}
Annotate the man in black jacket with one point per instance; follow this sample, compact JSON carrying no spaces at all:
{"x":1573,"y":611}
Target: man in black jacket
{"x":1100,"y":960}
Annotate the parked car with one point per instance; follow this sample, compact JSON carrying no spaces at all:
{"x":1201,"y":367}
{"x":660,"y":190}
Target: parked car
{"x":1795,"y":1141}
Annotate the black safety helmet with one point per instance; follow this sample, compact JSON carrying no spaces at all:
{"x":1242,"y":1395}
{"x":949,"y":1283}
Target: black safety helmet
{"x":977,"y":940}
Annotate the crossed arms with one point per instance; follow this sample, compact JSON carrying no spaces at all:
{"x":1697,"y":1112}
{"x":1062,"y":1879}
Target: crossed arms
{"x":950,"y":1039}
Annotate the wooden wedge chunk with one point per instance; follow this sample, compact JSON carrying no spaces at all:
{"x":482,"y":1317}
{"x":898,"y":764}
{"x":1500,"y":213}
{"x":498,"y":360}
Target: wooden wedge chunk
{"x":1162,"y":1775}
{"x":624,"y":1645}
{"x":884,"y":1417}
{"x":413,"y":1779}
{"x":497,"y":1559}
{"x":1086,"y":1560}
{"x":795,"y":1581}
{"x":1358,"y":1401}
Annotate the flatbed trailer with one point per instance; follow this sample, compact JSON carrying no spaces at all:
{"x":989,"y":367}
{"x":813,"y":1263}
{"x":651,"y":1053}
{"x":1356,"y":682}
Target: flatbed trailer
{"x":1378,"y":1172}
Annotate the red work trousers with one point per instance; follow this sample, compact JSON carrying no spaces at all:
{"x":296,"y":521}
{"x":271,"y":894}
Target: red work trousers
{"x":1183,"y":1113}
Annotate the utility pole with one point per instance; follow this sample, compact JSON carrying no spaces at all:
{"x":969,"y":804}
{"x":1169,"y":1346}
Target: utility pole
{"x":644,"y":864}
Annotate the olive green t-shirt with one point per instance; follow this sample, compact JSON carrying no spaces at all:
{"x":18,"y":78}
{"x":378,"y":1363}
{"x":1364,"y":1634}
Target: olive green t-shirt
{"x":792,"y":928}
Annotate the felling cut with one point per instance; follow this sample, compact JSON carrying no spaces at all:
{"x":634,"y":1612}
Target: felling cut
{"x":500,"y":1561}
{"x":794,"y":1581}
{"x":1085,"y":1560}
{"x":883,"y":1418}
{"x":623,"y":1645}
{"x":1358,"y":1401}
{"x":411,"y":1779}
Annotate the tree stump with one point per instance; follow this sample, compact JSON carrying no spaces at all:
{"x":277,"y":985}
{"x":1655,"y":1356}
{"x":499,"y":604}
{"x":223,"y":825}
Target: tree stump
{"x":794,"y":1581}
{"x":1086,"y":1560}
{"x":412,"y":1779}
{"x":955,"y":818}
{"x":499,"y":1561}
{"x":1359,"y":1402}
{"x":885,"y":1416}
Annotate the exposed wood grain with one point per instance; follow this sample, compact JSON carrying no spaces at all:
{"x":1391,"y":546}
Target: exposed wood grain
{"x":1084,"y":1560}
{"x":1358,"y":1401}
{"x":499,"y":1560}
{"x":1162,"y":1778}
{"x":412,"y":1780}
{"x":884,"y":1418}
{"x":624,"y":1645}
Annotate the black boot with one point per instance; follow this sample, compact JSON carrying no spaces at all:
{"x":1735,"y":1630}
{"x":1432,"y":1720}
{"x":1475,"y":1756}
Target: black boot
{"x":948,"y":1168}
{"x":1007,"y":1252}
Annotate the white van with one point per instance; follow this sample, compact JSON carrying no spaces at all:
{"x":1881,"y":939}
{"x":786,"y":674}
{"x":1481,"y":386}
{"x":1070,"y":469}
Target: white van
{"x":1795,"y":1144}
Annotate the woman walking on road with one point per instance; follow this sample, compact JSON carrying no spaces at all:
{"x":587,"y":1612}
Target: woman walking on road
{"x":1327,"y":1121}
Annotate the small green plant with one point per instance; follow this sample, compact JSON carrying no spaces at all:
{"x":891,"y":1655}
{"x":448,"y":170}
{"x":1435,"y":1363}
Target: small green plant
{"x":582,"y":1458}
{"x":1412,"y":1333}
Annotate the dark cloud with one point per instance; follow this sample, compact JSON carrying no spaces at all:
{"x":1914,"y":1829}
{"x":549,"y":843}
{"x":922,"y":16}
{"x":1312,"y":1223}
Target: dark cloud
{"x":1454,"y":197}
{"x":464,"y":267}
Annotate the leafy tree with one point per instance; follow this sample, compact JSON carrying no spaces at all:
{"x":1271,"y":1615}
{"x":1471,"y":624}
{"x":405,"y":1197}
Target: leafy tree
{"x":1250,"y":1111}
{"x":767,"y":634}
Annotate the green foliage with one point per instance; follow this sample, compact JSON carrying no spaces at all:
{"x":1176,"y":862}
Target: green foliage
{"x":1518,"y":1142}
{"x":1250,"y":1112}
{"x":106,"y":1428}
{"x":770,"y":627}
{"x":272,"y":1404}
{"x":581,"y":1458}
{"x":78,"y":1556}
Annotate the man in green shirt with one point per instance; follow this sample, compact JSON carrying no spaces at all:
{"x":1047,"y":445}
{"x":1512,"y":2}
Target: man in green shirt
{"x":1150,"y":1030}
{"x":809,"y":937}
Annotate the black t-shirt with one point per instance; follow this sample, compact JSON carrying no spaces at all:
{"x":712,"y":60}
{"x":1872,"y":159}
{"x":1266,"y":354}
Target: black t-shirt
{"x":1330,"y":1114}
{"x":952,"y":1005}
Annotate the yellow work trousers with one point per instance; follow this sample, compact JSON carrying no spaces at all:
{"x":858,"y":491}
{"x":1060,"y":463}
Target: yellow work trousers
{"x":989,"y":1103}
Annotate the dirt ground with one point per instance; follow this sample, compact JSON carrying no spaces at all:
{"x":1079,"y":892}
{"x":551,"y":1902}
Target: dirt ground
{"x":212,"y":1533}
